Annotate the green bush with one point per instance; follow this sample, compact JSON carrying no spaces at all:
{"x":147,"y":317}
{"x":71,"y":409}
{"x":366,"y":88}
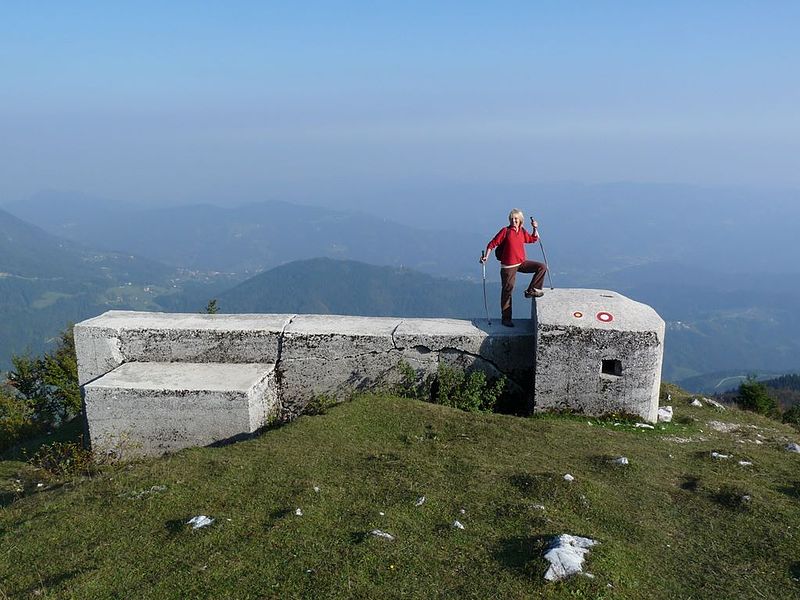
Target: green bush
{"x":64,"y":459}
{"x":16,"y":423}
{"x":792,"y":416}
{"x":754,"y":396}
{"x":49,"y":384}
{"x":471,"y":391}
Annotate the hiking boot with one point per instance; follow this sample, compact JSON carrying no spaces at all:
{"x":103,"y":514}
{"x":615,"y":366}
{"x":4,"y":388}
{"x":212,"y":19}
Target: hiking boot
{"x":534,"y":293}
{"x":507,"y":322}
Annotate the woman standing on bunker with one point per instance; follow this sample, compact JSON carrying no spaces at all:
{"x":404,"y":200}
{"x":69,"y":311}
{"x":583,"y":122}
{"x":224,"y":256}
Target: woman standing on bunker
{"x":510,"y":243}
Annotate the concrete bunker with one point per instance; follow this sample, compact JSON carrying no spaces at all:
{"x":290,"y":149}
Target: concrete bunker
{"x":597,"y":352}
{"x":159,"y":382}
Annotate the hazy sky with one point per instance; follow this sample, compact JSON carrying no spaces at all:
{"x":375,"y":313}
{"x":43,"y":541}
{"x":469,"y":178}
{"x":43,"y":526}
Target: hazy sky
{"x":172,"y":101}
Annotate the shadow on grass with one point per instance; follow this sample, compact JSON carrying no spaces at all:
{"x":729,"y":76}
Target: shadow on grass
{"x":71,"y":431}
{"x":176,"y":526}
{"x":792,"y":490}
{"x":733,"y":497}
{"x":8,"y":498}
{"x":521,"y":554}
{"x":43,"y":587}
{"x":690,"y":483}
{"x":794,"y":570}
{"x":537,"y":485}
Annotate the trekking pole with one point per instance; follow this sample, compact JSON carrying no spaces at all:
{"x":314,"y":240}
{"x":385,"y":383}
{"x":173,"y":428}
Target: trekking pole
{"x":544,"y":256}
{"x":485,"y":304}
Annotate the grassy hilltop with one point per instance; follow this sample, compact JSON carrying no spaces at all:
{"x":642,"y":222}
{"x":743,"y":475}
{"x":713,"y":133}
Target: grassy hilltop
{"x":674,"y":523}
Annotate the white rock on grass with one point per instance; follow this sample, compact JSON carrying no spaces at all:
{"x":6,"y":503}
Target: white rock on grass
{"x":200,"y":521}
{"x":420,"y":501}
{"x":665,"y":414}
{"x":566,"y":555}
{"x":793,"y":447}
{"x":458,"y":524}
{"x":719,"y":456}
{"x":298,"y":512}
{"x":745,"y":463}
{"x":696,"y":403}
{"x":715,"y":404}
{"x":723,"y":427}
{"x":568,"y":477}
{"x":622,"y":460}
{"x":644,"y":426}
{"x":378,"y":533}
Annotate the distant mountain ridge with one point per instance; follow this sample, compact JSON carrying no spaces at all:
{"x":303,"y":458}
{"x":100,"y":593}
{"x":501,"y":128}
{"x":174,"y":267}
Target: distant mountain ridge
{"x":253,"y":237}
{"x":47,"y":282}
{"x":326,"y":286}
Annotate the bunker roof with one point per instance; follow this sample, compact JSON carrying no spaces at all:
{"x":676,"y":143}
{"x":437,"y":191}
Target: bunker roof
{"x":595,"y":309}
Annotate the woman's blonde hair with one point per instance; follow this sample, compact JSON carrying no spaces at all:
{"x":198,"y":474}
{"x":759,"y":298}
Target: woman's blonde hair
{"x":516,"y":211}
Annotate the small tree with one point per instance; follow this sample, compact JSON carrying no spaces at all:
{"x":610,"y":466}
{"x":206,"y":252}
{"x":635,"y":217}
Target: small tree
{"x":792,"y":416}
{"x":61,"y":376}
{"x":15,"y":419}
{"x":49,"y":385}
{"x":211,"y":307}
{"x":753,"y":395}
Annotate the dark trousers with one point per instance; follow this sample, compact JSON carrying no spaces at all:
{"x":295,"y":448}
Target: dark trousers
{"x":508,"y":277}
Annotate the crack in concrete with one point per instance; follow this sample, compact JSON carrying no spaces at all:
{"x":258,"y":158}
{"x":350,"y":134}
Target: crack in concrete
{"x":394,"y":331}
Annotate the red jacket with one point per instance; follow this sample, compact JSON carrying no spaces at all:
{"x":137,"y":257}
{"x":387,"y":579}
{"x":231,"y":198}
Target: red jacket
{"x":510,"y":245}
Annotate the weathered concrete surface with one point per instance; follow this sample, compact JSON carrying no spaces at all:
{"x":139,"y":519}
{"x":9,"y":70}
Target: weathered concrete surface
{"x":105,"y":342}
{"x":332,"y":356}
{"x":579,"y":332}
{"x":502,"y":349}
{"x":149,"y":408}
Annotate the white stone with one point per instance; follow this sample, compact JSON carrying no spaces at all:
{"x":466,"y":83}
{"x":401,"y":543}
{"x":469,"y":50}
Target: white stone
{"x":382,"y":535}
{"x":644,"y":426}
{"x":200,"y":521}
{"x":420,"y":501}
{"x":298,"y":512}
{"x":720,"y":456}
{"x":793,"y":447}
{"x":665,"y":414}
{"x":568,"y":477}
{"x":723,"y":427}
{"x":696,"y":403}
{"x":745,"y":463}
{"x":458,"y":524}
{"x":622,"y":460}
{"x":566,"y":555}
{"x":715,"y":404}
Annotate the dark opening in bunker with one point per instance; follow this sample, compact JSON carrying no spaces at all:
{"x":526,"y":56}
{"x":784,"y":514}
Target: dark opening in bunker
{"x":612,"y":367}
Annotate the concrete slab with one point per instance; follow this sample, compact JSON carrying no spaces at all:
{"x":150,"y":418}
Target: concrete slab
{"x":335,"y":336}
{"x":333,"y":356}
{"x":510,"y":351}
{"x":152,"y":408}
{"x":597,"y":352}
{"x":106,"y":341}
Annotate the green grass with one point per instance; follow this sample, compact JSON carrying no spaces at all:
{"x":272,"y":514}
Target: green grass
{"x":670,"y":525}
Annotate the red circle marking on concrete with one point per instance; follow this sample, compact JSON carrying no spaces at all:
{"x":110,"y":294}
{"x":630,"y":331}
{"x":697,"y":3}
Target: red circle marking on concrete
{"x":577,"y":314}
{"x":605,"y":317}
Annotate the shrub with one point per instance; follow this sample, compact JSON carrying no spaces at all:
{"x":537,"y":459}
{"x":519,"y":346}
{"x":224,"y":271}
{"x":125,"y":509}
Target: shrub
{"x":64,"y":459}
{"x":16,"y":422}
{"x":471,"y":391}
{"x":754,"y":396}
{"x":49,"y":384}
{"x":792,"y":416}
